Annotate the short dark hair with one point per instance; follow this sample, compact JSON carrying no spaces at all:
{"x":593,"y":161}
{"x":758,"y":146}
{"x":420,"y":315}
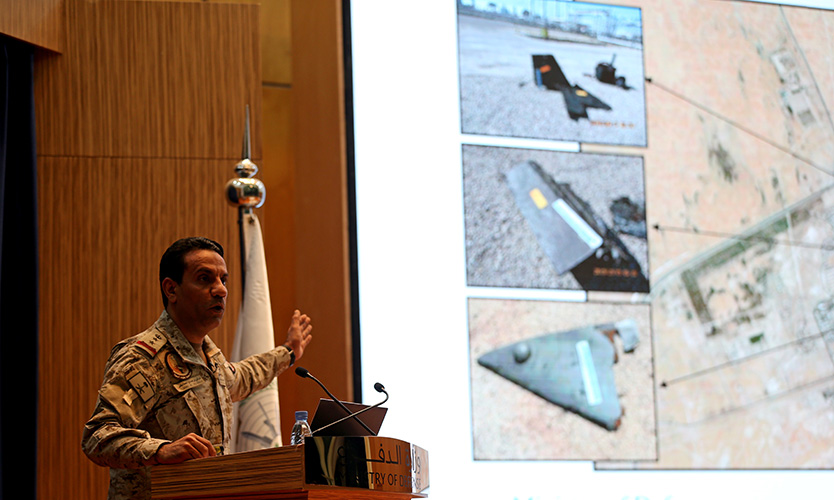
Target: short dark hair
{"x":172,"y":264}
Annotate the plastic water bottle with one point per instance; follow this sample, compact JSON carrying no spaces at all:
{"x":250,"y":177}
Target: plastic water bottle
{"x":300,"y":428}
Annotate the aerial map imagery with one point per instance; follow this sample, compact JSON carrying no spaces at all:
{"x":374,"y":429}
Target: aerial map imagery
{"x":719,"y":135}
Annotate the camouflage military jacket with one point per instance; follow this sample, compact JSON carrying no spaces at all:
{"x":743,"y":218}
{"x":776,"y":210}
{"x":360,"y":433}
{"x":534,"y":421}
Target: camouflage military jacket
{"x":157,"y":389}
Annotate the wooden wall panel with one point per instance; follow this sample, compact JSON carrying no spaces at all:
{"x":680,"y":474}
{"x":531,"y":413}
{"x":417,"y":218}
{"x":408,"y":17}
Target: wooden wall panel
{"x":276,"y":38}
{"x":151,"y":79}
{"x":139,"y":125}
{"x":39,"y":22}
{"x":278,"y":217}
{"x":277,"y":214}
{"x":321,"y":195}
{"x":104,"y":224}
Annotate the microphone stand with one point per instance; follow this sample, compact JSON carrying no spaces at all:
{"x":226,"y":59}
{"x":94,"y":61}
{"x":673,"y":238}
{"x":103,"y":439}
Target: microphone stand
{"x":354,"y":415}
{"x":303,"y":373}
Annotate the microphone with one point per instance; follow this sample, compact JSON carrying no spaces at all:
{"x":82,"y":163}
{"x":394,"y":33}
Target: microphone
{"x":379,"y":388}
{"x":304,"y":373}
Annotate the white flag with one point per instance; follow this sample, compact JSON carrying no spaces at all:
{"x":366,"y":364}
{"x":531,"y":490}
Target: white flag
{"x":257,"y":419}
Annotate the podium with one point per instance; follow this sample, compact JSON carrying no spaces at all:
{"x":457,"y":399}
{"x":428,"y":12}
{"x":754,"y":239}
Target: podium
{"x":328,"y":467}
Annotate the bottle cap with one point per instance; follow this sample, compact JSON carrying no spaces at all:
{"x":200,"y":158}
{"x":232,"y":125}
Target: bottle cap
{"x":301,"y":415}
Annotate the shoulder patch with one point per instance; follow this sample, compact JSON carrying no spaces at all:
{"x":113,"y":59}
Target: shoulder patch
{"x":178,"y":368}
{"x":140,"y":384}
{"x":150,"y":342}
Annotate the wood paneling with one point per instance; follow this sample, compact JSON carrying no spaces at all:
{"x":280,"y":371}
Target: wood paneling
{"x":39,"y":22}
{"x":321,"y":196}
{"x":276,"y":171}
{"x":151,"y":79}
{"x":276,"y":38}
{"x":139,"y":126}
{"x":277,"y":218}
{"x":104,"y":224}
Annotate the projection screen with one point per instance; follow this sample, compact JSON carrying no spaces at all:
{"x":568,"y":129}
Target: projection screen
{"x":594,"y":243}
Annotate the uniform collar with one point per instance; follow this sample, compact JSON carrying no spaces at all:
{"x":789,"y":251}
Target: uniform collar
{"x":169,"y":328}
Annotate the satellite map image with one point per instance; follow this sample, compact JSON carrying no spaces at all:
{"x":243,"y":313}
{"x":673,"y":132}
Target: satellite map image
{"x":737,"y":150}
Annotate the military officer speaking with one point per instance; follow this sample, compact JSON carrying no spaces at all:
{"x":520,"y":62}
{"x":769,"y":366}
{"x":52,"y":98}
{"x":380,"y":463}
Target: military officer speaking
{"x":167,"y":392}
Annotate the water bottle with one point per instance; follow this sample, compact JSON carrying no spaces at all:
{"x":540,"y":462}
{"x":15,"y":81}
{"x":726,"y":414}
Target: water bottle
{"x":300,"y":428}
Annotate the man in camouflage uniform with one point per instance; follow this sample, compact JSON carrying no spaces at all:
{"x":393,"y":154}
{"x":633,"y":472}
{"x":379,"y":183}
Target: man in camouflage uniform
{"x":167,"y":393}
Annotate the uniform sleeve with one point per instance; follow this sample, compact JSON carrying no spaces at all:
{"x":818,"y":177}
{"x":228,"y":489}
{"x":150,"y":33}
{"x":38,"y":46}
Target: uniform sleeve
{"x":256,"y":372}
{"x":111,"y":437}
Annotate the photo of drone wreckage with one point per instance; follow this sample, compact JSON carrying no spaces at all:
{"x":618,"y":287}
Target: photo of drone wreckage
{"x":547,"y":74}
{"x":574,"y":238}
{"x":573,"y":369}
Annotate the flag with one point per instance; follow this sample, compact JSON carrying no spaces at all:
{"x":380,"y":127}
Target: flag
{"x":257,"y":418}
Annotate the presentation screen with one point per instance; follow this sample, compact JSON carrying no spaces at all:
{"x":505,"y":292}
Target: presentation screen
{"x":594,"y":243}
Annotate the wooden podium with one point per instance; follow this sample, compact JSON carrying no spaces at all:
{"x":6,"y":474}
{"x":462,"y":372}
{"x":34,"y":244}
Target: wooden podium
{"x":352,"y":467}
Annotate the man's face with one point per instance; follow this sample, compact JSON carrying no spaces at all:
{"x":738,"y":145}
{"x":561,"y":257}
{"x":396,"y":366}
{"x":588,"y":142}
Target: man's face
{"x":200,"y":300}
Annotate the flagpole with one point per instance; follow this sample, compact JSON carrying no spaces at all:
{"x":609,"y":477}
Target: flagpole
{"x":257,"y":419}
{"x":245,"y":192}
{"x":242,"y":239}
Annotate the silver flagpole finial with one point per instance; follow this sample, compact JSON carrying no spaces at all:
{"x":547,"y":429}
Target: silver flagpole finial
{"x":246,"y":191}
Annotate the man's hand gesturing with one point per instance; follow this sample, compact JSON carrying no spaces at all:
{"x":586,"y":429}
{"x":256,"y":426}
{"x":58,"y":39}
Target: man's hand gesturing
{"x":298,"y":335}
